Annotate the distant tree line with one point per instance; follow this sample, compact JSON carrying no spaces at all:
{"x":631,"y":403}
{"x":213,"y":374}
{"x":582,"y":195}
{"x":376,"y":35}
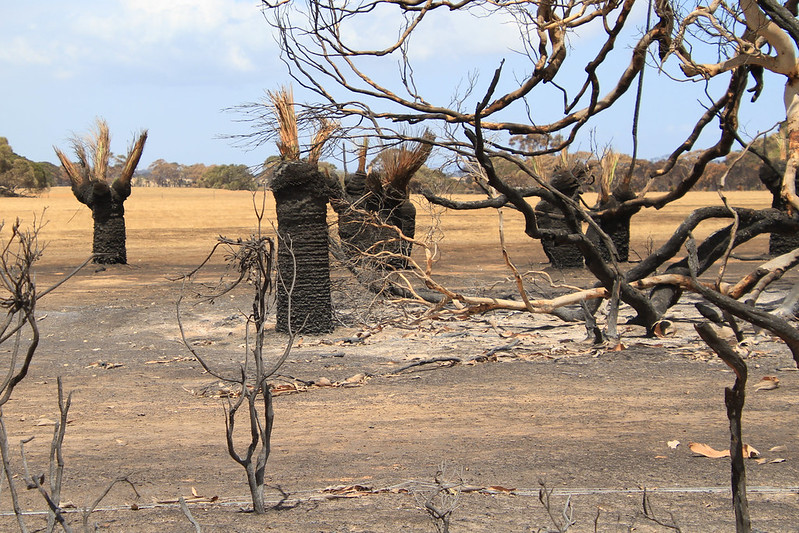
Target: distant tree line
{"x":19,"y":173}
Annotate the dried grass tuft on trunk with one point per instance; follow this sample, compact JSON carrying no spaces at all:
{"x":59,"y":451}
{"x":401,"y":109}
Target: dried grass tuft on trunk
{"x":322,"y":135}
{"x":363,"y":149}
{"x":608,"y":164}
{"x":283,"y":105}
{"x":401,"y":164}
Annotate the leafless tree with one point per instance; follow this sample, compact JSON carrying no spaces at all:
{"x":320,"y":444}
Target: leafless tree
{"x":19,"y":252}
{"x":321,"y":46}
{"x":441,"y":498}
{"x":249,"y":267}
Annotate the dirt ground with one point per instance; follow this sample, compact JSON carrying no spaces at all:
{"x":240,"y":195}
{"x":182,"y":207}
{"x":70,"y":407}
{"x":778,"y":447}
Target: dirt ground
{"x":547,"y":407}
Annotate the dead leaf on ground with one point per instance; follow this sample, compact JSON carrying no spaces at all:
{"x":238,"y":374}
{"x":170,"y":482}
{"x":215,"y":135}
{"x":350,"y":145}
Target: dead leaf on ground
{"x":284,"y":388}
{"x":750,"y":452}
{"x":499,"y":488}
{"x":45,"y":422}
{"x":780,"y":448}
{"x":354,"y":381}
{"x":166,"y":361}
{"x":706,"y":451}
{"x":767,"y":383}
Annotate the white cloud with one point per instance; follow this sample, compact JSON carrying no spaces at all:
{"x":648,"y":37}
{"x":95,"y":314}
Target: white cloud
{"x":195,"y":39}
{"x":20,"y":52}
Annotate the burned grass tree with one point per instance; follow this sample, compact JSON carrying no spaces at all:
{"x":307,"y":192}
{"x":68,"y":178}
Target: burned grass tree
{"x":554,"y":215}
{"x":89,"y":178}
{"x":390,"y":187}
{"x":300,"y":191}
{"x":377,"y":219}
{"x":613,"y":221}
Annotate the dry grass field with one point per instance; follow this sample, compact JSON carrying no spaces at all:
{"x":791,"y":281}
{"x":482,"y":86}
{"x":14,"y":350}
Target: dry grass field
{"x":592,"y":424}
{"x":176,"y":226}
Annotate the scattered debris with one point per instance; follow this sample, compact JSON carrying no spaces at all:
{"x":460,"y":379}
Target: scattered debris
{"x":105,"y":364}
{"x":767,"y":383}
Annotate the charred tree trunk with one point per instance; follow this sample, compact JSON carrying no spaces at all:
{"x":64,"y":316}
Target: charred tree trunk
{"x":303,"y":296}
{"x":400,"y":213}
{"x":752,"y":223}
{"x":617,"y":226}
{"x":565,"y":255}
{"x":360,"y":224}
{"x":108,"y":212}
{"x":561,"y":254}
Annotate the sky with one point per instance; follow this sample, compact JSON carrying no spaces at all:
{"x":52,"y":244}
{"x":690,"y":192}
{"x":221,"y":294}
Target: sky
{"x":179,"y":68}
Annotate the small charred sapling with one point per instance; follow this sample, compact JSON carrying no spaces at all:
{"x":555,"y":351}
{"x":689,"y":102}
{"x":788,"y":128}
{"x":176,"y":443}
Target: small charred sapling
{"x":249,"y":268}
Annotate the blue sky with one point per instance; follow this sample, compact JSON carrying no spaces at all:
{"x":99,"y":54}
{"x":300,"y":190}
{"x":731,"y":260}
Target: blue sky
{"x":175,"y":66}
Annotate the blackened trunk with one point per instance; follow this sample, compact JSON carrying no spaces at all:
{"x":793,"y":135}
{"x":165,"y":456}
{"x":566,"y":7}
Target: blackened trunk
{"x":363,"y":238}
{"x":108,"y":212}
{"x":400,"y":213}
{"x":109,"y":241}
{"x":616,"y":226}
{"x":566,"y":255}
{"x":302,"y":258}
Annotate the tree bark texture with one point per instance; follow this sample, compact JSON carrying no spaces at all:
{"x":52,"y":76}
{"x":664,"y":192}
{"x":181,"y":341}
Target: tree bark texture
{"x":108,"y":212}
{"x":400,"y":213}
{"x":778,"y":243}
{"x":302,"y":258}
{"x":560,"y":254}
{"x":616,"y":225}
{"x":363,"y":236}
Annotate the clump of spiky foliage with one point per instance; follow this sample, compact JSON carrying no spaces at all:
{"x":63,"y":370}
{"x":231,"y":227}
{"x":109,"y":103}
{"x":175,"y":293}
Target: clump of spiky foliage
{"x":321,"y":136}
{"x":93,"y":152}
{"x":288,"y":143}
{"x":363,"y":149}
{"x":608,"y":164}
{"x":399,"y":165}
{"x":283,"y":106}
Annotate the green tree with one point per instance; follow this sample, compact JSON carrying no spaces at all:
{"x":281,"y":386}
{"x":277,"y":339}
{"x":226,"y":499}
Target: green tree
{"x":232,"y":177}
{"x":17,"y":172}
{"x":166,"y":174}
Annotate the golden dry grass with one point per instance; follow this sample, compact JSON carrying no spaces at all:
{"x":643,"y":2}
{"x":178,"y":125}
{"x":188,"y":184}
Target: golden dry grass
{"x":177,"y":227}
